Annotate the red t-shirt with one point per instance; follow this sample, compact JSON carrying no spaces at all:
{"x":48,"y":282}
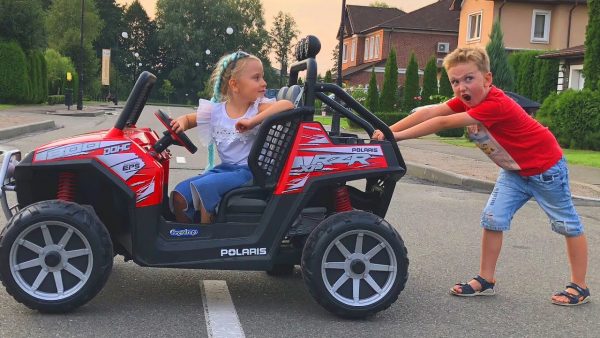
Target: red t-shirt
{"x":510,"y":137}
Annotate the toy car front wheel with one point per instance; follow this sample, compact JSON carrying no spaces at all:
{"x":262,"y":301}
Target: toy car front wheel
{"x":55,"y":256}
{"x":355,"y":264}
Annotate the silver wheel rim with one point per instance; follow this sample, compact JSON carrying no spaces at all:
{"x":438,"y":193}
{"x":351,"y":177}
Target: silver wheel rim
{"x":359,"y":268}
{"x":51,"y":260}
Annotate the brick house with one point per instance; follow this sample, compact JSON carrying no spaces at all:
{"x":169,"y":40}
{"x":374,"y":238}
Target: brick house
{"x":371,"y":32}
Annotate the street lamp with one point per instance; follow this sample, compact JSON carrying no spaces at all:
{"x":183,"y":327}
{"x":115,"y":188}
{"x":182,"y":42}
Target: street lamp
{"x":80,"y":94}
{"x":124,"y":35}
{"x":335,"y":119}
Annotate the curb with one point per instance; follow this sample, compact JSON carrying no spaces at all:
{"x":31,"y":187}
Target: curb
{"x":439,"y":176}
{"x":77,"y":113}
{"x":10,"y":132}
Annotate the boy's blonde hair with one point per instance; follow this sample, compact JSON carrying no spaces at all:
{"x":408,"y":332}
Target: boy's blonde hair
{"x":228,"y":67}
{"x":476,"y":55}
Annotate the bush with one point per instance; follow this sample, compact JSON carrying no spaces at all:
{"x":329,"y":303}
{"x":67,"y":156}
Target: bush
{"x":390,"y":118}
{"x":455,"y":132}
{"x":56,"y":99}
{"x":573,"y":117}
{"x":13,"y":73}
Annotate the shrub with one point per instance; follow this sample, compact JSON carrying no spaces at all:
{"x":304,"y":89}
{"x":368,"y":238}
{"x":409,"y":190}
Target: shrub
{"x":430,"y":81}
{"x":388,"y":99}
{"x":454,"y":132}
{"x":372,"y":102}
{"x":56,"y":99}
{"x":411,"y":85}
{"x":13,"y":73}
{"x":390,"y":118}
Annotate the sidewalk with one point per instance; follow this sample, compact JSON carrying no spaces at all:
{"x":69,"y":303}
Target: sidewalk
{"x":426,"y":158}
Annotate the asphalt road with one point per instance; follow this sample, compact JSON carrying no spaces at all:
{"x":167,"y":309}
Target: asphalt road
{"x":440,"y":228}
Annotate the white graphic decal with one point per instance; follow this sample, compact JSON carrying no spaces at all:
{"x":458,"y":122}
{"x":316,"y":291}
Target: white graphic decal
{"x":76,"y":149}
{"x":297,"y":183}
{"x":143,"y":193}
{"x":372,"y":150}
{"x":125,"y":165}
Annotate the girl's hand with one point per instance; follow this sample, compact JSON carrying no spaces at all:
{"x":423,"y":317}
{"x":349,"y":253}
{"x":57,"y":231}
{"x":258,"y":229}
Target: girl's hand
{"x":378,"y":135}
{"x":244,"y":125}
{"x":179,"y":124}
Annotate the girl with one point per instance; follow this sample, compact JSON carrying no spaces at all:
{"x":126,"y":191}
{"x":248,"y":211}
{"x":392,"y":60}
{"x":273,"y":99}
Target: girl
{"x":228,"y":120}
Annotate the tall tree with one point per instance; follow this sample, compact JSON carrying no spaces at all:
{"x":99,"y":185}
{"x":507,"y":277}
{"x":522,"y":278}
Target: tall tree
{"x":411,"y":84}
{"x":591,"y":60}
{"x":63,"y":24}
{"x":430,"y":81}
{"x":388,"y":97}
{"x":373,"y":94}
{"x":112,"y":15}
{"x":13,"y":73}
{"x":334,"y":57}
{"x":191,"y":32}
{"x":136,"y":52}
{"x":445,"y":88}
{"x":23,"y":22}
{"x":503,"y":77}
{"x":282,"y":35}
{"x":328,"y":78}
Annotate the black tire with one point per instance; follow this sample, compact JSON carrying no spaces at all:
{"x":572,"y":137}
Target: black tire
{"x":55,"y":256}
{"x":281,"y":270}
{"x":325,"y":264}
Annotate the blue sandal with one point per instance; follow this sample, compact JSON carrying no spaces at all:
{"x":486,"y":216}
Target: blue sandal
{"x":581,"y":298}
{"x":487,"y":288}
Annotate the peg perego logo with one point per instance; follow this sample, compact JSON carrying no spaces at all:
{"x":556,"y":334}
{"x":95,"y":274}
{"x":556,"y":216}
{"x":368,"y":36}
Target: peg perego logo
{"x":184,"y":232}
{"x":243,"y":252}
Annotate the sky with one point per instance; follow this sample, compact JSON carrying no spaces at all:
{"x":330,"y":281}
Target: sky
{"x":315,"y":17}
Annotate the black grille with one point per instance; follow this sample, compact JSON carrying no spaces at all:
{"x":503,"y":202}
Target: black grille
{"x":274,"y":142}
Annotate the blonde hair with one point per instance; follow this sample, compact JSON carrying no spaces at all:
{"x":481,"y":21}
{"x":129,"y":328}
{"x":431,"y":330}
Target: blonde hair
{"x":476,"y":55}
{"x":228,"y":67}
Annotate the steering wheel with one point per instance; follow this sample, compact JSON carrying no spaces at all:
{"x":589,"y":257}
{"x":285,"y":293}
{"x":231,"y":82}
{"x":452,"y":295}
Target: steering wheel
{"x":171,"y":137}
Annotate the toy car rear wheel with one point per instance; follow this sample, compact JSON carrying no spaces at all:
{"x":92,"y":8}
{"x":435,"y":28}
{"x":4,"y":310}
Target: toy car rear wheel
{"x":55,"y":256}
{"x":355,"y":264}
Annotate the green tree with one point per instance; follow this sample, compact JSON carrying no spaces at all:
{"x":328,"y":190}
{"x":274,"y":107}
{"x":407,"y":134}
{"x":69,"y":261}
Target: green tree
{"x":372,"y":101}
{"x":63,"y":23}
{"x":58,"y":66}
{"x":527,"y":74}
{"x":203,"y":39}
{"x":328,"y":78}
{"x":514,"y":61}
{"x":388,"y":97}
{"x":112,"y":16}
{"x":500,"y":68}
{"x":546,"y":80}
{"x":591,"y":60}
{"x":282,"y":35}
{"x":411,"y":84}
{"x":136,"y":49}
{"x":430,"y":82}
{"x":167,"y":89}
{"x":13,"y":73}
{"x":23,"y":22}
{"x":445,"y":87}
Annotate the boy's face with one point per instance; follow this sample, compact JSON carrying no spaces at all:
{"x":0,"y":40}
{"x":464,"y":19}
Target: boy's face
{"x":469,"y":84}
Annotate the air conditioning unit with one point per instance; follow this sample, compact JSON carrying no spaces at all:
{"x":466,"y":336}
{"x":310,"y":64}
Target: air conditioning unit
{"x":443,"y":47}
{"x":439,"y":62}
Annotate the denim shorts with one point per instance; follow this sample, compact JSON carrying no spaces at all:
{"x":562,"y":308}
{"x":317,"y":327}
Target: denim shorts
{"x":551,"y":191}
{"x":209,"y":188}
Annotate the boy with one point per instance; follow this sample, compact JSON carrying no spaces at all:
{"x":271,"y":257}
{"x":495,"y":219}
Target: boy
{"x":531,"y":162}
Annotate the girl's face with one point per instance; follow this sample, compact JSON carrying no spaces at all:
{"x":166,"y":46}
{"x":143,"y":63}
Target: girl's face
{"x":469,"y":84}
{"x":249,"y":83}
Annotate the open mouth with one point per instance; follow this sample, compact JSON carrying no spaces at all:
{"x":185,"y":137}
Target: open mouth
{"x":466,"y":97}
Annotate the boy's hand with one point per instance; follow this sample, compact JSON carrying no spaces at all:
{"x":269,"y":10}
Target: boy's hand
{"x":378,"y":135}
{"x":179,"y":124}
{"x":244,"y":125}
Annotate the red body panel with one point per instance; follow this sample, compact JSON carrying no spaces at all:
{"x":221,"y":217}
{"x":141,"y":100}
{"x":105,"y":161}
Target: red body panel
{"x":128,"y":155}
{"x":314,"y":155}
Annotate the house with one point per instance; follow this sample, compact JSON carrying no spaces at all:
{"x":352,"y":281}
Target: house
{"x":570,"y":70}
{"x":371,"y":32}
{"x":526,"y":24}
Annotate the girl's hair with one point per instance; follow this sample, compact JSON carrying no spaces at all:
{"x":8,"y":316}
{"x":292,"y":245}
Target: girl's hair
{"x":227,"y":68}
{"x":476,"y":55}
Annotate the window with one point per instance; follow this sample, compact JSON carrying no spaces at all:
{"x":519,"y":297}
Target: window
{"x":372,"y":47}
{"x":576,"y":79}
{"x":345,"y":53}
{"x":540,"y":26}
{"x":366,"y":49}
{"x":377,"y":46}
{"x":353,"y":51}
{"x":474,"y":26}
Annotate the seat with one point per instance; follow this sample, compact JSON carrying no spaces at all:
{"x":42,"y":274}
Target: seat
{"x":293,"y":94}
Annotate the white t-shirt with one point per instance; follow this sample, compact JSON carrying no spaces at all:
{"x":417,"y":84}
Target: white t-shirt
{"x":215,"y":126}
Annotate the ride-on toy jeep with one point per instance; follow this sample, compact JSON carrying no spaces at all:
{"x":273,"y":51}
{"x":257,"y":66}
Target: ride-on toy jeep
{"x":84,"y":199}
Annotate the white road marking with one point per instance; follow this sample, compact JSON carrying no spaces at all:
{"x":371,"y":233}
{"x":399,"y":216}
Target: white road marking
{"x":221,"y":318}
{"x":180,"y":159}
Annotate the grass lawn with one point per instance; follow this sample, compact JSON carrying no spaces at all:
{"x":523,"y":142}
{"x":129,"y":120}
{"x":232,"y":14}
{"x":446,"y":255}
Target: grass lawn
{"x":326,"y":121}
{"x":6,"y":106}
{"x":574,"y":156}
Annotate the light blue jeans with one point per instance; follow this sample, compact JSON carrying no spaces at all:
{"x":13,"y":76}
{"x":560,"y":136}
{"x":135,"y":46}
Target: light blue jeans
{"x":551,"y":191}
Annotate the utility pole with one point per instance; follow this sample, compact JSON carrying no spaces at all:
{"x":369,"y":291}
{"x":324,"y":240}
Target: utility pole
{"x":335,"y":119}
{"x":80,"y":94}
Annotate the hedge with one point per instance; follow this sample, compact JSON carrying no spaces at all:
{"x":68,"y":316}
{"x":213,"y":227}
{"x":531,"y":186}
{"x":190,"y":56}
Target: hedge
{"x":13,"y":73}
{"x":574,"y":118}
{"x":56,"y":99}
